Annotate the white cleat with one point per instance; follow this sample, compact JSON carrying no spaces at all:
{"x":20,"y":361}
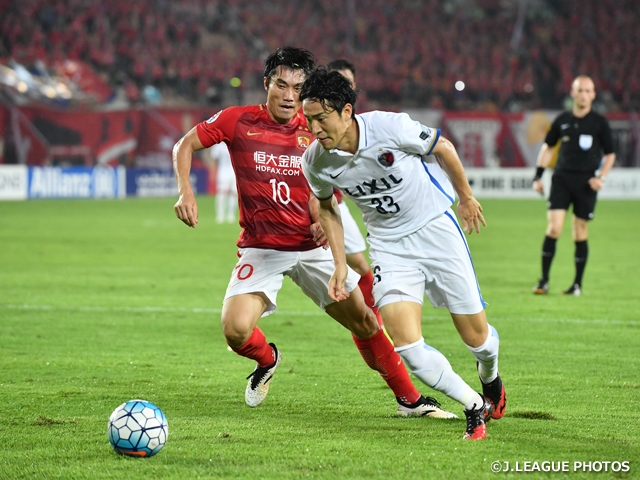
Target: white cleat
{"x":259,"y":381}
{"x":424,"y":407}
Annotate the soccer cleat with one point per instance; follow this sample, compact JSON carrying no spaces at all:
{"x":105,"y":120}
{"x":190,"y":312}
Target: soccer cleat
{"x":477,"y":419}
{"x":573,"y":290}
{"x":259,"y":381}
{"x":542,"y":288}
{"x":424,"y":407}
{"x":494,"y":392}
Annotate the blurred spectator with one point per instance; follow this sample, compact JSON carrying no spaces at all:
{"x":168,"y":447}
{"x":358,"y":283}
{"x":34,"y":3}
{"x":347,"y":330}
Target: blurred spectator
{"x":408,"y":53}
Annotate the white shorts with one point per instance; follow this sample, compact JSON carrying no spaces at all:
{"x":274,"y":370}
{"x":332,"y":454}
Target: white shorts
{"x":263,"y":270}
{"x":353,"y":239}
{"x":434,"y":260}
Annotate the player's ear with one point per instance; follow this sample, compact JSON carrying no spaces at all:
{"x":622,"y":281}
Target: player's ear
{"x":347,"y":111}
{"x":266,"y":83}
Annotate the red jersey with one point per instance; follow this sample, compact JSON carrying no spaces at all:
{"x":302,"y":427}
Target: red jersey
{"x":273,"y":193}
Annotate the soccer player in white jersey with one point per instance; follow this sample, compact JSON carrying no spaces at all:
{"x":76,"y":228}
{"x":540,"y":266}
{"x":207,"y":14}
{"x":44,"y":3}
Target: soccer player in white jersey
{"x":379,"y":160}
{"x":226,"y":189}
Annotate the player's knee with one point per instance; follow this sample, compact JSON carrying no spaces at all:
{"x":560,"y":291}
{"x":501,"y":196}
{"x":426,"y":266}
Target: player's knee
{"x":363,"y":324}
{"x":554,"y":231}
{"x":235,"y":333}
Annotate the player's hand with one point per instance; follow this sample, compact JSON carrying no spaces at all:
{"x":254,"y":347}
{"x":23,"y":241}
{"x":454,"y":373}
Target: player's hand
{"x":595,"y":183}
{"x":318,"y":235}
{"x":186,"y":209}
{"x":336,"y":285}
{"x":538,"y":186}
{"x":470,"y":212}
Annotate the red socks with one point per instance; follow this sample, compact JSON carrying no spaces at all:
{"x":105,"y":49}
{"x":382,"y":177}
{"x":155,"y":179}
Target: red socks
{"x":366,"y":286}
{"x":256,"y":348}
{"x":379,"y":355}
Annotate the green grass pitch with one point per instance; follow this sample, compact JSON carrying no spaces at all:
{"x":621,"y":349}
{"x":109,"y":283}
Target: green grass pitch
{"x":106,"y":301}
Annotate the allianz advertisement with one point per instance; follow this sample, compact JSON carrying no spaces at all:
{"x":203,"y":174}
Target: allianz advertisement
{"x":19,"y":182}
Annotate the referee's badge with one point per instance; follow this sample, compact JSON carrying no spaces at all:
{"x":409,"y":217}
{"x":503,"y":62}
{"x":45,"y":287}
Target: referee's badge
{"x":386,"y":159}
{"x":585,"y":141}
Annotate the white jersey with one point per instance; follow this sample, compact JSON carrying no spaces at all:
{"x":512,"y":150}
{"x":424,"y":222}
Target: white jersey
{"x":389,"y":177}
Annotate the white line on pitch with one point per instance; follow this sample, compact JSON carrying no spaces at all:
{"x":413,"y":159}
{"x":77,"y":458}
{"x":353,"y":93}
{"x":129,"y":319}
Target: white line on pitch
{"x":87,"y":308}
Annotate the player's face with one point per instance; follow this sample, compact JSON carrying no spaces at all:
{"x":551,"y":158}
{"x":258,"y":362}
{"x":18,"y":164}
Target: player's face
{"x":583,"y":92}
{"x":283,"y":93}
{"x":328,"y":126}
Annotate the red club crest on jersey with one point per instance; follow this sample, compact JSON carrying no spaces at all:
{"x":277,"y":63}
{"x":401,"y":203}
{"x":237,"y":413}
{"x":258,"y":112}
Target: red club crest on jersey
{"x":304,"y":140}
{"x":213,"y":119}
{"x":386,"y":159}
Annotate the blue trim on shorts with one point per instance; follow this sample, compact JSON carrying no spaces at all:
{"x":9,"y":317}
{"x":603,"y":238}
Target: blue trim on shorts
{"x":455,"y":222}
{"x":435,"y":182}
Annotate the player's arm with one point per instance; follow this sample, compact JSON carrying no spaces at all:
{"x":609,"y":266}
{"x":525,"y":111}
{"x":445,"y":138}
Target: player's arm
{"x":186,"y":207}
{"x":544,"y":158}
{"x":316,"y":229}
{"x":469,"y":209}
{"x":331,"y":222}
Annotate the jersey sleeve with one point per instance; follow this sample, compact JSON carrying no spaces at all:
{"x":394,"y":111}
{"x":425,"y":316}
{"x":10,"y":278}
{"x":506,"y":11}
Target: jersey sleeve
{"x":218,"y":128}
{"x":606,"y":137}
{"x":414,"y":137}
{"x":553,"y":135}
{"x":321,"y":189}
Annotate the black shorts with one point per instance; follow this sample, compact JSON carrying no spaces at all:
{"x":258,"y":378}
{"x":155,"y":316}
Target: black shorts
{"x":573,"y":188}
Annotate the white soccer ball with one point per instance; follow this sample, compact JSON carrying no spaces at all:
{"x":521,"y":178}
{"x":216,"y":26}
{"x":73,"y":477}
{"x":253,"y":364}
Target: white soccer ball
{"x":138,"y":428}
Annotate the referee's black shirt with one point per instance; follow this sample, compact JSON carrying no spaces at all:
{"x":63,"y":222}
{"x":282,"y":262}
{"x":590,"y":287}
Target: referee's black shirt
{"x":584,"y":141}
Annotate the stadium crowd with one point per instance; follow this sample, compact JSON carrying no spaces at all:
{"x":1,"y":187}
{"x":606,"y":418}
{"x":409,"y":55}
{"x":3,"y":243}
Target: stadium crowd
{"x":408,"y":53}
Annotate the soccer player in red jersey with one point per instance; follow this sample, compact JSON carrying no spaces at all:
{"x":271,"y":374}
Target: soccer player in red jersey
{"x":281,"y":233}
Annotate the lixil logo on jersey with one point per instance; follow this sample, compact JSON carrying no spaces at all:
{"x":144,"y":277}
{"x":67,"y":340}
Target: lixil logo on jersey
{"x":386,"y":159}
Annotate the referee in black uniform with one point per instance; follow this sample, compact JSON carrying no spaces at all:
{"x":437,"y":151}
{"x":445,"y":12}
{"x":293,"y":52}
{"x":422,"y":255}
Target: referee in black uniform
{"x":585,"y":136}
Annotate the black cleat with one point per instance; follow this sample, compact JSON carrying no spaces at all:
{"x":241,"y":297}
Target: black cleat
{"x":573,"y":290}
{"x":542,"y":288}
{"x":495,"y":393}
{"x":477,"y":419}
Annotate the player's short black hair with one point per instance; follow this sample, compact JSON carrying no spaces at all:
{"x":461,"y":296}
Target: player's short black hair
{"x":331,"y":89}
{"x":341,"y":64}
{"x":290,"y":57}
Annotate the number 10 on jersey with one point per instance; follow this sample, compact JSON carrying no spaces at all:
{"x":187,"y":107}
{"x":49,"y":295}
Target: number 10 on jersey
{"x":280,"y":191}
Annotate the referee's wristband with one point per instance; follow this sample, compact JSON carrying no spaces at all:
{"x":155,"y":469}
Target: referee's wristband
{"x":539,"y":172}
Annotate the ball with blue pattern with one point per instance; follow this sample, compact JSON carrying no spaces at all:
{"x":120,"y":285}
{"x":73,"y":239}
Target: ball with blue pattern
{"x":138,"y":428}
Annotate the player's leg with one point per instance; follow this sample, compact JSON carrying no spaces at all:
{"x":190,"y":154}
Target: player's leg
{"x":222,"y":199}
{"x":580,"y":233}
{"x":251,"y":294}
{"x":483,"y":342}
{"x":403,"y":320}
{"x":559,"y":201}
{"x":355,"y":247}
{"x":583,"y":211}
{"x":312,"y":275}
{"x":232,"y":206}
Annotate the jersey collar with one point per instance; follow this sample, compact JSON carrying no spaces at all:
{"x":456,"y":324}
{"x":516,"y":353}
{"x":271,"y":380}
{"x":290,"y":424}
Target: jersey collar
{"x":362,"y":138}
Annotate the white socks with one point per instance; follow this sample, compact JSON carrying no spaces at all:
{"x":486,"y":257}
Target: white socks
{"x":487,"y":356}
{"x":433,"y":369}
